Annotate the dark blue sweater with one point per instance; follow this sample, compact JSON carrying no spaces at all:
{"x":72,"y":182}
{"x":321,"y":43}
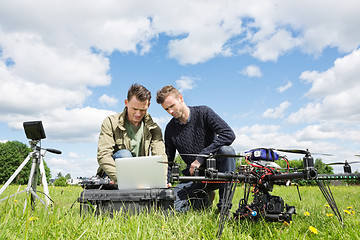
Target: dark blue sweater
{"x":205,"y":133}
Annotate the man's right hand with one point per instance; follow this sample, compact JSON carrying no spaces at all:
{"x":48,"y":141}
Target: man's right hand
{"x":195,"y":164}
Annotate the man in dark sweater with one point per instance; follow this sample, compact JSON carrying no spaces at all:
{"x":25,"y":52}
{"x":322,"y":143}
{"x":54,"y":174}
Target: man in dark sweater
{"x":195,"y":130}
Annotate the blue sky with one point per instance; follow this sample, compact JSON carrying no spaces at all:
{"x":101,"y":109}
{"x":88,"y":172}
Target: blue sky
{"x":283,"y":74}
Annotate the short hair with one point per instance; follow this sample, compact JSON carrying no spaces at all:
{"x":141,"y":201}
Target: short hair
{"x":165,"y":92}
{"x":139,"y":91}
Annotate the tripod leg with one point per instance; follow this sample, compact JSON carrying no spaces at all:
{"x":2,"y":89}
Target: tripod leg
{"x":44,"y":182}
{"x":8,"y":182}
{"x":34,"y":195}
{"x":13,"y":195}
{"x":32,"y":183}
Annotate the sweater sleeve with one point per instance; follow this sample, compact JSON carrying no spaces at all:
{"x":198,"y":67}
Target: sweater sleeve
{"x":224,"y":134}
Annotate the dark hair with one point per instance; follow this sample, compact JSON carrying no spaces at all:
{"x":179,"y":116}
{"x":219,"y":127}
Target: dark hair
{"x":165,"y":92}
{"x":139,"y":91}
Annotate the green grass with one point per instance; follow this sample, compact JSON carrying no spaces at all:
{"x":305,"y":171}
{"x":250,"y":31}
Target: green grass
{"x":64,"y":222}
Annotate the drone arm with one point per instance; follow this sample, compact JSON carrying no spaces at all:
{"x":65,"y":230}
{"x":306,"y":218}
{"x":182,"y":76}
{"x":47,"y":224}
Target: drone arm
{"x":287,"y":176}
{"x":339,"y":176}
{"x":219,"y":177}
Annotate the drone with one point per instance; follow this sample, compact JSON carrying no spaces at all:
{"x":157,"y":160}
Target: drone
{"x":259,"y":178}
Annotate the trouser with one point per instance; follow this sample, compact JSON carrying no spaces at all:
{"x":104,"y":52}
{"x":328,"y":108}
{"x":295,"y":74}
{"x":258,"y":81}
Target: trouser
{"x":122,"y":153}
{"x":196,"y":194}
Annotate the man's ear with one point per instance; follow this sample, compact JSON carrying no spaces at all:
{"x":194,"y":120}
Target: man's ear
{"x":181,"y":98}
{"x":126,"y":102}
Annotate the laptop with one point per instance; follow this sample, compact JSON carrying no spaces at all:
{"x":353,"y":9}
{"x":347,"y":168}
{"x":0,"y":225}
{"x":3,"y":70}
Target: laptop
{"x":141,"y":172}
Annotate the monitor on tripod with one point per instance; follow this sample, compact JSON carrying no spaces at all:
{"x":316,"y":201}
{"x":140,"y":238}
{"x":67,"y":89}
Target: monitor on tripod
{"x":34,"y":130}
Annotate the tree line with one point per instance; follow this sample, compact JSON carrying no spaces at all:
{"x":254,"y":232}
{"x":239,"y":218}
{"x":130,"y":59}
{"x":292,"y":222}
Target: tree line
{"x":12,"y":155}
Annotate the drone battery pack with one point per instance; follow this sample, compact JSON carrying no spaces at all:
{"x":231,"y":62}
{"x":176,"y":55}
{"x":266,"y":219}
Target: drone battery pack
{"x":263,"y":154}
{"x":126,"y":201}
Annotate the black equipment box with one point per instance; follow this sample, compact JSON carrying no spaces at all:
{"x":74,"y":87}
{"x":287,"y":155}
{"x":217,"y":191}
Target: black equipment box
{"x":128,"y":201}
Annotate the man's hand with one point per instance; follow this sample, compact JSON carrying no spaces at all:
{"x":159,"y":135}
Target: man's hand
{"x":195,"y":164}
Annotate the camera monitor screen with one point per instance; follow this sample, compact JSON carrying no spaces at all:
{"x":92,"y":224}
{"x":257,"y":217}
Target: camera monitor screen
{"x":34,"y":130}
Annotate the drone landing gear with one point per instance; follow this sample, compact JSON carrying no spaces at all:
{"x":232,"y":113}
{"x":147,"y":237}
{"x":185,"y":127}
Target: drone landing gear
{"x":225,"y":209}
{"x":326,"y":191}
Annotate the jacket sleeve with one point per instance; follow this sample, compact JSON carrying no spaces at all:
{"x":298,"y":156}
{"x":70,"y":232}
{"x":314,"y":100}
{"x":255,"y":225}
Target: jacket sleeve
{"x":105,"y":150}
{"x":157,"y":142}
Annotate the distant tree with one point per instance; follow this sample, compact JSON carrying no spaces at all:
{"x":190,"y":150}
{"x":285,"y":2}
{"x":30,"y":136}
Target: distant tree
{"x":293,"y":164}
{"x":12,"y":154}
{"x":182,"y":165}
{"x":59,"y":175}
{"x":68,"y":176}
{"x":322,"y":168}
{"x":60,"y":182}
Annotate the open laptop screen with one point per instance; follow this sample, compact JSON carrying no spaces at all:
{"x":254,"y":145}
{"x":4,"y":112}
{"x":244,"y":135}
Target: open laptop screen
{"x":141,"y":172}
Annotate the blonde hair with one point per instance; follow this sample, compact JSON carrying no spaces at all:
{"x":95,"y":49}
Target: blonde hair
{"x":165,"y":92}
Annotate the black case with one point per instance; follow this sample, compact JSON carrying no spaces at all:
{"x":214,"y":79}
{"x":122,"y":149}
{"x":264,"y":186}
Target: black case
{"x":127,"y":201}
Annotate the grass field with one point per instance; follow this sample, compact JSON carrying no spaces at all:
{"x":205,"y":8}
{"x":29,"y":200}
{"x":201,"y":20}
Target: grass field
{"x":65,"y":222}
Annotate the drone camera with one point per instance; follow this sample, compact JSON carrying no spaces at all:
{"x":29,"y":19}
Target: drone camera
{"x":34,"y":130}
{"x":275,"y":205}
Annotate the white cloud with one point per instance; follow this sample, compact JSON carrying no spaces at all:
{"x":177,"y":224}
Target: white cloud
{"x":185,"y":83}
{"x":252,"y":71}
{"x":277,"y":112}
{"x":74,"y":125}
{"x":76,"y":167}
{"x":57,"y":63}
{"x":335,"y":93}
{"x":107,"y":100}
{"x":200,"y":30}
{"x":282,"y":89}
{"x":269,"y":49}
{"x":273,"y":136}
{"x":73,"y":155}
{"x":162,"y":121}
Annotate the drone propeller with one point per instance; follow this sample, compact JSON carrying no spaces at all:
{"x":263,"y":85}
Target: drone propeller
{"x":342,"y":163}
{"x":300,"y":151}
{"x":347,"y":167}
